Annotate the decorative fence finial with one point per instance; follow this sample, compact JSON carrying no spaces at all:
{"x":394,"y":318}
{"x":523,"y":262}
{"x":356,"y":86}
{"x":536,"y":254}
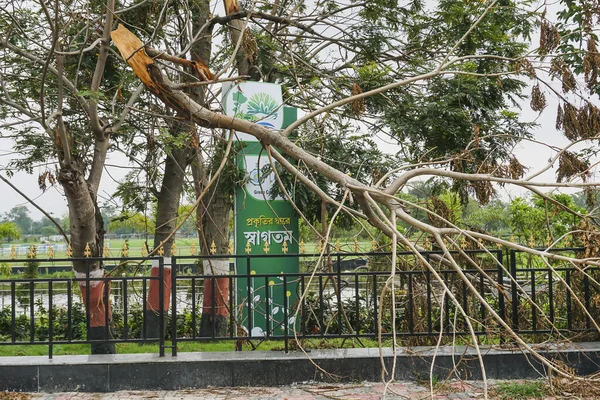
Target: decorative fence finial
{"x":13,"y":252}
{"x":213,"y":248}
{"x":427,"y":244}
{"x":125,"y":250}
{"x":248,"y":247}
{"x":284,"y":247}
{"x":32,"y":252}
{"x":193,"y":250}
{"x":106,"y":250}
{"x":69,"y":251}
{"x":266,"y":247}
{"x":87,"y":251}
{"x":50,"y":251}
{"x":302,"y":246}
{"x":173,"y":249}
{"x":531,"y":242}
{"x":230,"y":249}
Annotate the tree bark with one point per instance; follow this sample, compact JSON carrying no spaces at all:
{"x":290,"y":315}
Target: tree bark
{"x":87,"y":230}
{"x":215,"y":230}
{"x":168,"y":201}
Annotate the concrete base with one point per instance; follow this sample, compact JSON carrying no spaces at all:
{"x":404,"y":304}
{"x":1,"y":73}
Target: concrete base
{"x":107,"y":373}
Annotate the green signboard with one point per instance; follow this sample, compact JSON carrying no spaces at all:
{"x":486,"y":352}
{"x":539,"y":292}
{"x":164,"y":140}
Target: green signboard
{"x":263,"y":225}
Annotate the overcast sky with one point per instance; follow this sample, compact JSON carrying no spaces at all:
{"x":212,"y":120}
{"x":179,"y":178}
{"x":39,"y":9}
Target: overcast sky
{"x":532,"y":155}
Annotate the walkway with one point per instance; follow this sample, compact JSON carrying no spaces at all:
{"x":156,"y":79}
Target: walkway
{"x":304,"y":391}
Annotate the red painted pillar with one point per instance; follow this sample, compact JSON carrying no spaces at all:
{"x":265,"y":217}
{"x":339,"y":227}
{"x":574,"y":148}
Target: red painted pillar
{"x":152,"y":303}
{"x":215,"y":302}
{"x":99,"y":311}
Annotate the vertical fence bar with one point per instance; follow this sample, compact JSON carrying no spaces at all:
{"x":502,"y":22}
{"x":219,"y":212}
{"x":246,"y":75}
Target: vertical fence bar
{"x":144,"y":294}
{"x":88,"y":313}
{"x":232,"y":333}
{"x":321,"y":322}
{"x":50,"y":321}
{"x":481,"y":307}
{"x":339,"y":292}
{"x":410,"y":303}
{"x":550,"y":295}
{"x":303,"y":305}
{"x":249,"y":294}
{"x":514,"y":294}
{"x":161,"y":306}
{"x":446,"y":303}
{"x":125,"y":310}
{"x":194,"y":321}
{"x":569,"y":316}
{"x":13,"y":314}
{"x":69,"y":311}
{"x":533,"y":303}
{"x":285,"y":313}
{"x":268,"y":301}
{"x":375,"y":308}
{"x":213,"y":297}
{"x":429,"y":322}
{"x":31,"y":313}
{"x":357,"y":305}
{"x":106,"y":297}
{"x":174,"y":271}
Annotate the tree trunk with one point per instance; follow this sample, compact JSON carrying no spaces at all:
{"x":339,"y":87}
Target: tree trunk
{"x":214,"y":219}
{"x":212,"y":214}
{"x":168,"y":201}
{"x":87,"y":230}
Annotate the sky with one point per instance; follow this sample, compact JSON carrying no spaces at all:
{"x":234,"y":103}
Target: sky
{"x":52,"y":200}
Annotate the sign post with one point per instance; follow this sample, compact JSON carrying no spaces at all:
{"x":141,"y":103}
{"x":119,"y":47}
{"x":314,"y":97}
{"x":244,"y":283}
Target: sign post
{"x":263,"y":225}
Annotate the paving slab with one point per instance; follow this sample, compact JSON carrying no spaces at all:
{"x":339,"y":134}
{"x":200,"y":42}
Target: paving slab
{"x":300,"y":391}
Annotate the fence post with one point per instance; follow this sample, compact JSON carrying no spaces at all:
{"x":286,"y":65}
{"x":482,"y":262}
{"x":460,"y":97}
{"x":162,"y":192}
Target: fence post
{"x":174,"y":306}
{"x":285,"y":313}
{"x":249,"y":294}
{"x":161,"y":306}
{"x":50,"y":320}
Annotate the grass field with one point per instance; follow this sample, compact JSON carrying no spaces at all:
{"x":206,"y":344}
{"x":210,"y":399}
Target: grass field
{"x":183,"y":247}
{"x":200,"y":346}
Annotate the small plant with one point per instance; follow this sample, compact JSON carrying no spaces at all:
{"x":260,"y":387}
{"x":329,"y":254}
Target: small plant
{"x":522,"y":390}
{"x":5,"y":270}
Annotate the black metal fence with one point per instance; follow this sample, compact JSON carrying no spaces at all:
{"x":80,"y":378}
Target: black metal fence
{"x":532,"y":296}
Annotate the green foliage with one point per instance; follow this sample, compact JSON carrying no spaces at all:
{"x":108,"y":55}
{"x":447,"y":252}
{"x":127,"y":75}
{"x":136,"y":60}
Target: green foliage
{"x":5,"y":270}
{"x":10,"y":231}
{"x":131,"y":223}
{"x":535,"y":218}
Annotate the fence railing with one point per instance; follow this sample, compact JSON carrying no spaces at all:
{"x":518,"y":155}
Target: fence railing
{"x":531,"y":295}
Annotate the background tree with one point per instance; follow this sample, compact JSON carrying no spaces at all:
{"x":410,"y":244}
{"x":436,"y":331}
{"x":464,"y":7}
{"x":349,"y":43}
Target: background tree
{"x":19,"y":215}
{"x":9,"y":231}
